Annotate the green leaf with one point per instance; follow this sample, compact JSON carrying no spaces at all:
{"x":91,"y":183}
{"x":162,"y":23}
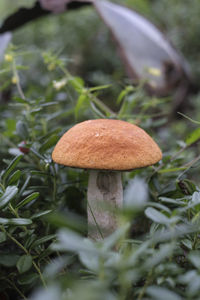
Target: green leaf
{"x":196,"y":197}
{"x":50,"y":142}
{"x":2,"y":237}
{"x":40,"y":214}
{"x":49,"y":104}
{"x":8,"y":260}
{"x":187,"y":243}
{"x":24,"y":263}
{"x":91,"y":262}
{"x":160,"y":206}
{"x":156,"y":216}
{"x":172,"y":170}
{"x":77,"y":83}
{"x":15,"y":221}
{"x":27,"y":279}
{"x":69,"y":220}
{"x":20,"y":100}
{"x":13,"y":179}
{"x":169,"y":200}
{"x":73,"y":242}
{"x":24,"y":185}
{"x":80,"y":103}
{"x":11,"y":127}
{"x":158,"y":293}
{"x":43,"y":240}
{"x":8,"y":195}
{"x":11,"y":167}
{"x":159,"y":256}
{"x":123,"y":93}
{"x":194,"y":258}
{"x":100,"y":87}
{"x":22,"y":130}
{"x":193,"y":137}
{"x":53,"y":132}
{"x":115,"y":237}
{"x":28,"y":199}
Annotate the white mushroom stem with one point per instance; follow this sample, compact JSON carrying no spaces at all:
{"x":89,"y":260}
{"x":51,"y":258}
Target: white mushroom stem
{"x":105,"y":194}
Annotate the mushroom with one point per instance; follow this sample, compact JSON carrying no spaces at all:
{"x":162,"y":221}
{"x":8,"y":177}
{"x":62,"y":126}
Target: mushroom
{"x":105,"y":147}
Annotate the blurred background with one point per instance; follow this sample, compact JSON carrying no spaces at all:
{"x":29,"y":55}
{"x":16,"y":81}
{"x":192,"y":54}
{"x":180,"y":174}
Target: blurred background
{"x":86,"y":44}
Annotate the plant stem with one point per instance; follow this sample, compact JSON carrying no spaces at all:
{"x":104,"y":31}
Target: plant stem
{"x":18,"y":290}
{"x":17,"y":81}
{"x":26,"y":252}
{"x":91,"y":96}
{"x":147,"y":282}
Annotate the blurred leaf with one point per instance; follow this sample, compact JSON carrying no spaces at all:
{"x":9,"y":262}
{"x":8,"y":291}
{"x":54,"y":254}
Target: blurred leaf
{"x":115,"y":237}
{"x":27,"y":279}
{"x":73,"y":242}
{"x":91,"y":262}
{"x":8,"y":195}
{"x":24,"y":263}
{"x":77,"y":83}
{"x":194,"y":257}
{"x":69,"y":220}
{"x":41,"y":214}
{"x":123,"y":93}
{"x":15,"y":221}
{"x":2,"y":237}
{"x":22,"y":130}
{"x":133,"y":199}
{"x":48,"y":104}
{"x":20,"y":100}
{"x":52,"y":293}
{"x":187,"y":243}
{"x":158,"y":293}
{"x":57,"y":265}
{"x":100,"y":87}
{"x":193,"y":137}
{"x":196,"y":197}
{"x":157,"y":216}
{"x":164,"y":252}
{"x":10,"y":127}
{"x":169,"y":200}
{"x":160,"y":206}
{"x":43,"y":240}
{"x":8,"y":260}
{"x":172,"y":170}
{"x":28,"y":199}
{"x":83,"y":98}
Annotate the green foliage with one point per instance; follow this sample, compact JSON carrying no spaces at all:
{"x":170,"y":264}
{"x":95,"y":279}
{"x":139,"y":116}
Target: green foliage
{"x":155,"y":252}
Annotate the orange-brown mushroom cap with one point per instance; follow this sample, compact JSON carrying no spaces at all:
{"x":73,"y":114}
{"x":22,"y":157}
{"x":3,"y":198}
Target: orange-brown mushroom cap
{"x":106,"y":144}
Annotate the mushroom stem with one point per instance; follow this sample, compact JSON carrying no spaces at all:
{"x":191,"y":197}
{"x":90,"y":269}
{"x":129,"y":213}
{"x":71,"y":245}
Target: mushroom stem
{"x":105,"y":194}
